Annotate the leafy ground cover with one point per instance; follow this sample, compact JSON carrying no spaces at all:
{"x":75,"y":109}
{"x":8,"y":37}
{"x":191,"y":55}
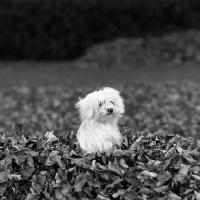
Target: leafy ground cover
{"x":152,"y":164}
{"x":173,"y":107}
{"x":147,"y":166}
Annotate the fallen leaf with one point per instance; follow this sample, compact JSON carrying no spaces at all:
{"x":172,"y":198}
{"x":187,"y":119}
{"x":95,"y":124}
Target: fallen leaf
{"x":80,"y":182}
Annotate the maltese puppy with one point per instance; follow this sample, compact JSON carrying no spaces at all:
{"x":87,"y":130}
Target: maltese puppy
{"x":99,"y":113}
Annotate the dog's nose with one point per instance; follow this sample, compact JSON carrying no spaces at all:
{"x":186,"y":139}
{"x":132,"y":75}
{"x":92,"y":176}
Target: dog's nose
{"x":110,"y":110}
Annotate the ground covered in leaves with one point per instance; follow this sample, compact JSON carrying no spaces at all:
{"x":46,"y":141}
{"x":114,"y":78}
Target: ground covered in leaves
{"x":155,"y":161}
{"x":147,"y":166}
{"x":173,"y":107}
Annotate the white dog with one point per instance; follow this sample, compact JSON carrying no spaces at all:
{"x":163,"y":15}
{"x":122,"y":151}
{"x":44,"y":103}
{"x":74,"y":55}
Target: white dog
{"x":99,"y":113}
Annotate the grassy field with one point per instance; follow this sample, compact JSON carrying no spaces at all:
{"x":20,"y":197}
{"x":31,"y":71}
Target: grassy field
{"x":53,"y":74}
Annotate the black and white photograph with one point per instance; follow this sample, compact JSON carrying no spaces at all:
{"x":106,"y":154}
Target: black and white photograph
{"x":99,"y":100}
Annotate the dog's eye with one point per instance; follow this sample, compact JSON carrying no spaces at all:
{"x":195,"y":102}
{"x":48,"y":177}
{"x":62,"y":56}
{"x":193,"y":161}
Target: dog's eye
{"x":101,"y":103}
{"x":112,"y":102}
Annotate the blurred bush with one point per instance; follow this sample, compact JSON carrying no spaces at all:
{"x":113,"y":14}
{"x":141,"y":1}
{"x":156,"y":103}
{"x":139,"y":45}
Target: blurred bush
{"x":63,"y":29}
{"x":173,"y":49}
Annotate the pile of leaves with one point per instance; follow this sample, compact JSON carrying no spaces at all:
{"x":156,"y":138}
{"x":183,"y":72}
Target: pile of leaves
{"x":146,"y":166}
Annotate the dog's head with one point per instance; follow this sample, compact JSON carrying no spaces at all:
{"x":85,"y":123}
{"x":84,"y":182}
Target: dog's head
{"x":105,"y":105}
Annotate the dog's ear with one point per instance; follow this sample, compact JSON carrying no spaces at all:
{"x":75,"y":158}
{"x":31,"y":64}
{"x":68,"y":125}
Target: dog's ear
{"x":80,"y":105}
{"x":120,"y":102}
{"x":87,"y":106}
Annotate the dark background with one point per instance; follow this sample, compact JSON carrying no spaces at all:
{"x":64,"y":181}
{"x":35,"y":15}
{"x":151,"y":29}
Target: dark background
{"x":64,"y":29}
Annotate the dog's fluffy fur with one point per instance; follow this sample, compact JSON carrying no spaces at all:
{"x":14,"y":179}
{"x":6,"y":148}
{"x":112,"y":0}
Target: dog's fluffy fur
{"x":99,"y":113}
